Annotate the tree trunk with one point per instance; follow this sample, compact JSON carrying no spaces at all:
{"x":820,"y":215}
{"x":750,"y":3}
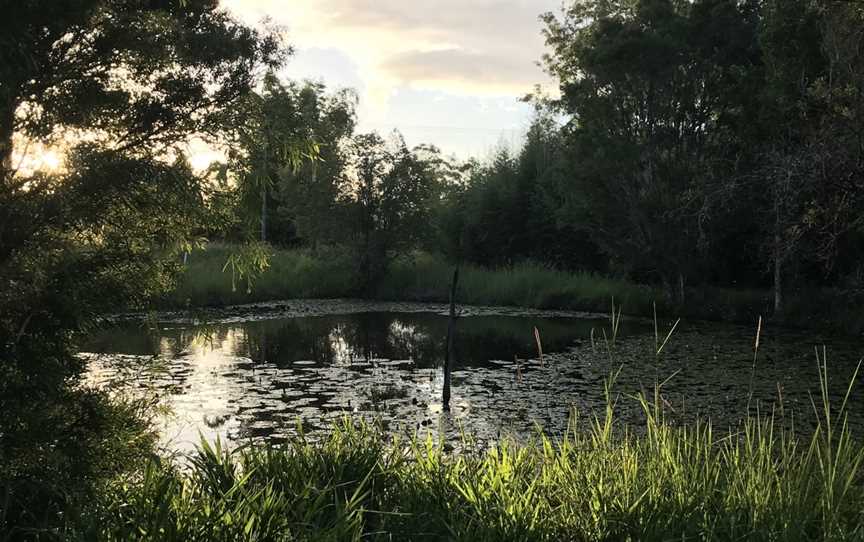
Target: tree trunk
{"x":681,"y":294}
{"x":778,"y":260}
{"x":451,"y":329}
{"x":778,"y":277}
{"x":314,"y":230}
{"x":7,"y":130}
{"x":263,"y":215}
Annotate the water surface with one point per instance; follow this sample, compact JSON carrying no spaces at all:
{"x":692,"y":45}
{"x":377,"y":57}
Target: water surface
{"x":264,"y":375}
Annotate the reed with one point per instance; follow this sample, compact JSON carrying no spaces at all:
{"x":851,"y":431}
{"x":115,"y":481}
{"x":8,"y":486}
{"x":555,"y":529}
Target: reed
{"x":329,"y":272}
{"x":604,"y":480}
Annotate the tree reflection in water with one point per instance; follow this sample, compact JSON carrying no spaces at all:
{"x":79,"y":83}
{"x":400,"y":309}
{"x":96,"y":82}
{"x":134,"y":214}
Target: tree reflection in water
{"x":258,"y":379}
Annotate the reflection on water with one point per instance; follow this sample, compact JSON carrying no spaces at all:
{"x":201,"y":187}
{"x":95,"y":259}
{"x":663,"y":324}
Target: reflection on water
{"x":260,"y":379}
{"x":347,"y":339}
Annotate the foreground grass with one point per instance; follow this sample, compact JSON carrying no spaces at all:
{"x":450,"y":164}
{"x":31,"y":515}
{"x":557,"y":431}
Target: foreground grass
{"x":295,"y":274}
{"x":602,"y":482}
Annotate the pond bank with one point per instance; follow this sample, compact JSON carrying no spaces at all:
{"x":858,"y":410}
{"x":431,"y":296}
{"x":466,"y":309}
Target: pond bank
{"x":298,"y":274}
{"x":298,"y":308}
{"x":536,"y":459}
{"x":602,"y":483}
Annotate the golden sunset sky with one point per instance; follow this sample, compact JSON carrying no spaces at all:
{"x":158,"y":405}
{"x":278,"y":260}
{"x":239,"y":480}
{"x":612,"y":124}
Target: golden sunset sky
{"x":446,"y":72}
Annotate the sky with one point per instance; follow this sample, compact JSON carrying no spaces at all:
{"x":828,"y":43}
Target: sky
{"x":445,"y":72}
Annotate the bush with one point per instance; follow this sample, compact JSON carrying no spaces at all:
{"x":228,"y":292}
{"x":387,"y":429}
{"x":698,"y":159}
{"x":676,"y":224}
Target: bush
{"x":60,"y":453}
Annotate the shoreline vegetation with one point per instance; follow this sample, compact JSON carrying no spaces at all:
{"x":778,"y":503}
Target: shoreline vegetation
{"x":604,"y":481}
{"x":694,"y":144}
{"x":422,"y":277}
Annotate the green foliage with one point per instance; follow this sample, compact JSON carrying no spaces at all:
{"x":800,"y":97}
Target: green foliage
{"x":144,"y":74}
{"x":424,"y":278}
{"x":654,"y":89}
{"x":248,"y":262}
{"x":286,"y":155}
{"x":330,"y":272}
{"x":105,"y":233}
{"x":812,"y":166}
{"x":388,"y":191}
{"x":711,"y":140}
{"x":121,"y":86}
{"x":62,"y":451}
{"x":510,"y":209}
{"x":290,"y":274}
{"x":695,"y":146}
{"x":603,"y":481}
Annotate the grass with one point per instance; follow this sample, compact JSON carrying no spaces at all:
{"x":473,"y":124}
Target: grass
{"x":425,"y":278}
{"x":605,"y":481}
{"x":298,"y":273}
{"x":62,"y":451}
{"x":292,"y":274}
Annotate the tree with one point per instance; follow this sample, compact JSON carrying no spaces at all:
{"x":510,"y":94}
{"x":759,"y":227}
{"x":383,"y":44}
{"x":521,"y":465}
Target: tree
{"x":388,"y":190}
{"x":138,"y":78}
{"x":275,"y":139}
{"x":120,"y":85}
{"x":309,"y":196}
{"x":812,"y":166}
{"x":139,"y":74}
{"x":653,"y":90}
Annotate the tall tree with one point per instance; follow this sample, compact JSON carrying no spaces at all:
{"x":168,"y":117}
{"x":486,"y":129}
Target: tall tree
{"x":653,"y":88}
{"x":389,"y":190}
{"x":135,"y":79}
{"x":309,"y":196}
{"x":812,"y":160}
{"x":120,"y":86}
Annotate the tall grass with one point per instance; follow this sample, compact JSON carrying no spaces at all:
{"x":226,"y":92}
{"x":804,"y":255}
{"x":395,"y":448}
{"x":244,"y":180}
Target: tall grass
{"x":603,"y":481}
{"x":291,"y":274}
{"x":419,"y":277}
{"x":524,"y":285}
{"x":331,"y":273}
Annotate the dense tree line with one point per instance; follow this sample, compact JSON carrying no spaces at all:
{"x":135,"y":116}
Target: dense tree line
{"x":712,"y":142}
{"x":715,"y":141}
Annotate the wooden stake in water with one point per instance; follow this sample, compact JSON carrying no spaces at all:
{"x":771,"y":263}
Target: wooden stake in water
{"x":539,"y":345}
{"x":753,"y":368}
{"x":451,"y":328}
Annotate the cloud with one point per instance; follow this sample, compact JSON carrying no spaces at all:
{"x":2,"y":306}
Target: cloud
{"x":418,"y":63}
{"x":333,"y":67}
{"x":483,"y":21}
{"x":460,"y":68}
{"x":399,"y":38}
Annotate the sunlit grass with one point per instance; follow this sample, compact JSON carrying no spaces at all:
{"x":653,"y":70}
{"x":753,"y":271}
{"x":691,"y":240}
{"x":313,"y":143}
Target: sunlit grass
{"x":604,"y":481}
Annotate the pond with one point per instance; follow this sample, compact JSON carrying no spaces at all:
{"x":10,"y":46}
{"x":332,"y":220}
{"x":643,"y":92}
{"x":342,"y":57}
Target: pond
{"x":265,"y":372}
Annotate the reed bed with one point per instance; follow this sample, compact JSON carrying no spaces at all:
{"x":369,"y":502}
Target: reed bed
{"x":603,"y":481}
{"x":330,"y":273}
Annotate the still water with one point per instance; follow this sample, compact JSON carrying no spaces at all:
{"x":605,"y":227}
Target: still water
{"x":265,"y":373}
